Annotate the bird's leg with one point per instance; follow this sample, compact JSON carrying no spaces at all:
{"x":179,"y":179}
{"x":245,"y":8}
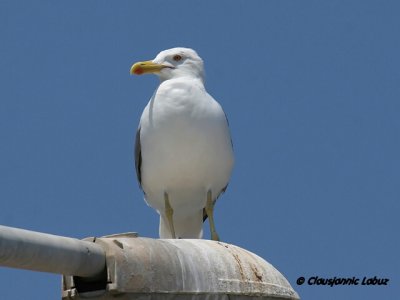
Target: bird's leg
{"x":169,"y":212}
{"x":210,"y":213}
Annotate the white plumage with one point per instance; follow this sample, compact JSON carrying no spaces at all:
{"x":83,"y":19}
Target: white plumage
{"x":184,"y":155}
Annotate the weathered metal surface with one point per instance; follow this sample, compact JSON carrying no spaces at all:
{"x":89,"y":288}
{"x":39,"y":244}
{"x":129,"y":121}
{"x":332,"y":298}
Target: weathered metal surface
{"x":24,"y":249}
{"x":143,"y":268}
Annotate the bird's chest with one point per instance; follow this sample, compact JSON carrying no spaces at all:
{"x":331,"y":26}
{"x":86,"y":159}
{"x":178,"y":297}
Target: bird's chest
{"x":180,"y":114}
{"x":175,"y":133}
{"x":177,"y":127}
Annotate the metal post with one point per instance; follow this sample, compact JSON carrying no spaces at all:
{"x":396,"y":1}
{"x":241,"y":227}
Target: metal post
{"x":24,"y":249}
{"x":128,"y":267}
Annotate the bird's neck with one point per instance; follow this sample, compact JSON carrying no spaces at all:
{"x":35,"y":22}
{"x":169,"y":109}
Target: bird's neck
{"x":183,"y":76}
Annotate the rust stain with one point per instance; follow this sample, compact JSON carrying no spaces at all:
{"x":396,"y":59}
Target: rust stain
{"x":223,"y":244}
{"x":257,"y":274}
{"x":237,"y":258}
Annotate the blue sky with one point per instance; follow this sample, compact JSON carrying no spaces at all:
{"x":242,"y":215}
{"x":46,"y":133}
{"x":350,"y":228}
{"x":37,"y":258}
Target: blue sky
{"x":312,"y":92}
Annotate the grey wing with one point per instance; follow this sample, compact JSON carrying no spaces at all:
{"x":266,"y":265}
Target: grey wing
{"x":224,"y":189}
{"x":205,"y":216}
{"x":138,"y":157}
{"x":227,"y":122}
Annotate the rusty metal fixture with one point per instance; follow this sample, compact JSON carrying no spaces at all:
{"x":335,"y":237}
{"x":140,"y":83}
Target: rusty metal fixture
{"x":124,"y":266}
{"x":144,"y":268}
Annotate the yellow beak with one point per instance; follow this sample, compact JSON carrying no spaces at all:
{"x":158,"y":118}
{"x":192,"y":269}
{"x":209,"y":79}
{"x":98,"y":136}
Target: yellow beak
{"x":146,"y":67}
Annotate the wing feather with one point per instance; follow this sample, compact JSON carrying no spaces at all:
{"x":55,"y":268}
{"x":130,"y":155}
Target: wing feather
{"x":138,"y":158}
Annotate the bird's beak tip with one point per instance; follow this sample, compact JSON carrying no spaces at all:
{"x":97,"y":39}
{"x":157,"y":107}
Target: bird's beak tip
{"x":145,"y":67}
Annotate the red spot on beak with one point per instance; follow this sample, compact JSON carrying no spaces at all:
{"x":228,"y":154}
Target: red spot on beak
{"x":138,"y":71}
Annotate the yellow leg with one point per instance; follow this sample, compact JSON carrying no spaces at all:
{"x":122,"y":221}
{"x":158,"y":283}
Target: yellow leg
{"x":169,"y":212}
{"x":210,"y":213}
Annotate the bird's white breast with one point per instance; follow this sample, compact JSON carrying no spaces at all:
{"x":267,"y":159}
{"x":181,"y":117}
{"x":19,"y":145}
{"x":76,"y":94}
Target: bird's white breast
{"x":186,"y":146}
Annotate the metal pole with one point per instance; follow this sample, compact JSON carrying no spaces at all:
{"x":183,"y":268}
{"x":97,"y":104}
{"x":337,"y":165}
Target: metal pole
{"x":24,"y":249}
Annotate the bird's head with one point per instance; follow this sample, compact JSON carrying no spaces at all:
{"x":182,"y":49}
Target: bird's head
{"x":172,"y":63}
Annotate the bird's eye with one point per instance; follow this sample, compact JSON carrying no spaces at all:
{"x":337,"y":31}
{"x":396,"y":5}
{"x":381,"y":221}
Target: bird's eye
{"x":177,"y":57}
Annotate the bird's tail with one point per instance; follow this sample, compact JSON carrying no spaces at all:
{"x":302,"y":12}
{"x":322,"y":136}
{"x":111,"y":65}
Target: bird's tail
{"x":188,"y":227}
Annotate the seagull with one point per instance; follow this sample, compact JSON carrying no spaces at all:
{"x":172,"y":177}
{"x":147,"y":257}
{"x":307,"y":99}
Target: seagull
{"x":183,"y":148}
